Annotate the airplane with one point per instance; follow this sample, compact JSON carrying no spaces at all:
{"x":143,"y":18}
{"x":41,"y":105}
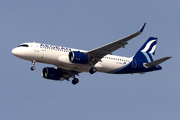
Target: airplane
{"x":70,"y":62}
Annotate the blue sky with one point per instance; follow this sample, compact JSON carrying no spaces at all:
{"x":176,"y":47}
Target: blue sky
{"x":86,"y":25}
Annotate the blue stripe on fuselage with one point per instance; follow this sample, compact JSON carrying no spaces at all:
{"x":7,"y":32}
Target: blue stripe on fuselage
{"x":128,"y":69}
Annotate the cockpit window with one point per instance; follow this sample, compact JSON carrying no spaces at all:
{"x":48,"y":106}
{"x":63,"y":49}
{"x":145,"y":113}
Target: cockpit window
{"x":23,"y":45}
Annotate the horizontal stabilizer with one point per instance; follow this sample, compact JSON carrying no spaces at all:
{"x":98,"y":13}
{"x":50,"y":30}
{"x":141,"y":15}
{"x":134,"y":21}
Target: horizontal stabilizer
{"x":156,"y":62}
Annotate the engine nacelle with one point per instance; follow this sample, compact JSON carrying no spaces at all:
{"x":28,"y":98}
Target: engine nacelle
{"x":51,"y":73}
{"x":78,"y":57}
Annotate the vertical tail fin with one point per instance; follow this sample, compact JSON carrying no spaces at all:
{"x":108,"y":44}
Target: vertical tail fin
{"x":147,"y":51}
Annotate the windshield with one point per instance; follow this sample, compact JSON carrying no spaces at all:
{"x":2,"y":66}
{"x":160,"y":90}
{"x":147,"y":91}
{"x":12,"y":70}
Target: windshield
{"x":23,"y":45}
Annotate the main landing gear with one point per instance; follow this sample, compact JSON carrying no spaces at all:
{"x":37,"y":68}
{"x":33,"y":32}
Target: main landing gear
{"x":33,"y":65}
{"x":92,"y":70}
{"x":75,"y":81}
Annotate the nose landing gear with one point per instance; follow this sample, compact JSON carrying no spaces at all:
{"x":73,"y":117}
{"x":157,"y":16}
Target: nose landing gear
{"x":33,"y":65}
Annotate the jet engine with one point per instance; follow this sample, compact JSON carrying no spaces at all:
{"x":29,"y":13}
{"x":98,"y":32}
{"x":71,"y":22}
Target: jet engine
{"x":78,"y":57}
{"x":51,"y":73}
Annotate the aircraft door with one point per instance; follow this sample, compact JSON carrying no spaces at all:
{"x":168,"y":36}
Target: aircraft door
{"x":134,"y":63}
{"x":36,"y":47}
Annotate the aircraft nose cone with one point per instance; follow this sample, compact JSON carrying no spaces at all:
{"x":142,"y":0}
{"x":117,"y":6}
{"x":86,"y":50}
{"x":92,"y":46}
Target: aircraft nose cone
{"x":15,"y":51}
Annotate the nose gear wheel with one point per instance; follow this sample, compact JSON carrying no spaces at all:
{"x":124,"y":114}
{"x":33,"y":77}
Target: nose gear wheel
{"x":33,"y":65}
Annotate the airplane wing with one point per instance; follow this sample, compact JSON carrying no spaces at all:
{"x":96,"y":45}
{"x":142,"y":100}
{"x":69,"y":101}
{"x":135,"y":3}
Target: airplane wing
{"x":97,"y":54}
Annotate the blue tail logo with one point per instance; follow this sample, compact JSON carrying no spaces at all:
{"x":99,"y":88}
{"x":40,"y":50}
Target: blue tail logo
{"x":147,"y":51}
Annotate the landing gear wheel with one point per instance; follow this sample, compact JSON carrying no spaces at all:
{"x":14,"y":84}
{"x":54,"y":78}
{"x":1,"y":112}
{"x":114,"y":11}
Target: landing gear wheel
{"x":75,"y":81}
{"x":92,"y":70}
{"x":33,"y":64}
{"x":32,"y":68}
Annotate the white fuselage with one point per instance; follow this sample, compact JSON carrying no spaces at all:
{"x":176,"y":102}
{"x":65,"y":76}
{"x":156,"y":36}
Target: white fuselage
{"x":58,"y":56}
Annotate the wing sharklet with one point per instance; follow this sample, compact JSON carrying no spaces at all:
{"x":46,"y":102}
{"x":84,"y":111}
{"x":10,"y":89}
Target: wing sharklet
{"x":142,"y":28}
